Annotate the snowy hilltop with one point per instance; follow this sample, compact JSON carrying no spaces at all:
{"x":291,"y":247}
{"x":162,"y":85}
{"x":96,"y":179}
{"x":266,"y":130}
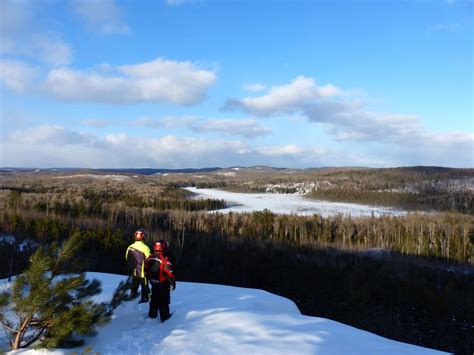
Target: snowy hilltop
{"x":216,"y":319}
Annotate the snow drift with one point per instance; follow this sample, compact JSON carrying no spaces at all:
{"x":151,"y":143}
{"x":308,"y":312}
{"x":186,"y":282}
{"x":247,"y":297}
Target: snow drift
{"x":216,"y":319}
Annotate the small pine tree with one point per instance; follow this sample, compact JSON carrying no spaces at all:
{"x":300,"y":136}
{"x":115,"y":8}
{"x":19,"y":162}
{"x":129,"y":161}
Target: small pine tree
{"x":51,"y":301}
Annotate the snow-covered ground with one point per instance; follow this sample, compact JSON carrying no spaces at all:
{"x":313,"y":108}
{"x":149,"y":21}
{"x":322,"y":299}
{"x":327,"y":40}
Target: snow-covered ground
{"x":24,"y":244}
{"x":216,"y":319}
{"x":120,"y":178}
{"x":290,"y":204}
{"x":301,"y":188}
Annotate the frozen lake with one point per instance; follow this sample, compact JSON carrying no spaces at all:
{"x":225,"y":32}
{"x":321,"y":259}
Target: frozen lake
{"x":290,"y":204}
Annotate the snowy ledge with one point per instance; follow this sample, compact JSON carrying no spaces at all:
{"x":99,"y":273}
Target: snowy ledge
{"x":216,"y":319}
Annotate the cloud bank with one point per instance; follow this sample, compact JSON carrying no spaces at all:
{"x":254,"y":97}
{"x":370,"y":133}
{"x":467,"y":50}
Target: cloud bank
{"x":58,"y":146}
{"x":347,"y":118}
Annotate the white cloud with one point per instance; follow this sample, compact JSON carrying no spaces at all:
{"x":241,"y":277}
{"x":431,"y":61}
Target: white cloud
{"x":101,"y":123}
{"x":166,"y":122}
{"x":103,"y":16}
{"x":67,"y":84}
{"x":289,"y":149}
{"x":245,"y":127}
{"x":146,"y":121}
{"x":160,"y":80}
{"x":14,"y":18}
{"x":50,"y":48}
{"x":16,"y":76}
{"x":178,"y":122}
{"x":47,"y":47}
{"x":20,"y":34}
{"x":256,"y":87}
{"x":285,"y":98}
{"x":49,"y":135}
{"x":348,"y":119}
{"x":116,"y":139}
{"x":351,"y":121}
{"x":49,"y":146}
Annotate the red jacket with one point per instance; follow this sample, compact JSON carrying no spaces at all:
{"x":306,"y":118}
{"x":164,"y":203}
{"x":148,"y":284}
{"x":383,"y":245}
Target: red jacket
{"x":159,"y":269}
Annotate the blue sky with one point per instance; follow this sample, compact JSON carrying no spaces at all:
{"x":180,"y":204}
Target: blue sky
{"x":175,"y":84}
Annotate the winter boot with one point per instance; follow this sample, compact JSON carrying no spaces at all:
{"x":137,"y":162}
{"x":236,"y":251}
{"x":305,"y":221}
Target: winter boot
{"x":153,"y":312}
{"x":165,"y":314}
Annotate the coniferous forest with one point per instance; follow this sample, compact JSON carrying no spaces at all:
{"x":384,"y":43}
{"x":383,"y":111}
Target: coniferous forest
{"x":408,"y":278}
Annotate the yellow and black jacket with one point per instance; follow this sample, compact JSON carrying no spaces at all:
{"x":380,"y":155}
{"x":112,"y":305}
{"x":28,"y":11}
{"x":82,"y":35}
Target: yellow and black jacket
{"x":136,"y":255}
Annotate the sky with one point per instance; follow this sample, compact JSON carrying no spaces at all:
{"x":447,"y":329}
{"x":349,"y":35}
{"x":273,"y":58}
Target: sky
{"x":200,"y":83}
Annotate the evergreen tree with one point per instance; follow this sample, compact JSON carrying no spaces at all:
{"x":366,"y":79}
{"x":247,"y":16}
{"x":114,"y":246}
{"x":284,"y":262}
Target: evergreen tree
{"x":51,"y":301}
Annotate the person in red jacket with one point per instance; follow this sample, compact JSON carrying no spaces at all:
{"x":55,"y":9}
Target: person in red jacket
{"x":159,"y":271}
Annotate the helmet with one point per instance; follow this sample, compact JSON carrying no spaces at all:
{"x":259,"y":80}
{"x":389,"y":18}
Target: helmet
{"x":160,"y":246}
{"x":140,"y":234}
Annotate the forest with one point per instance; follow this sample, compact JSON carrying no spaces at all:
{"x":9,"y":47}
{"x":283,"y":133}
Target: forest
{"x":413,"y":189}
{"x":408,"y":278}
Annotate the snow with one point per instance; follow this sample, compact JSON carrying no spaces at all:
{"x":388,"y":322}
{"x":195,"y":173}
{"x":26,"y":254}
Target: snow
{"x":227,"y":173}
{"x":301,"y":188}
{"x":11,"y":240}
{"x":7,"y":238}
{"x":119,"y":178}
{"x":217,"y":319}
{"x":290,"y":204}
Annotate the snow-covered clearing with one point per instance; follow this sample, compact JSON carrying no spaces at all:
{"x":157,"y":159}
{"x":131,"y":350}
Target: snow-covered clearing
{"x":119,"y":178}
{"x":216,"y":319}
{"x":290,"y":204}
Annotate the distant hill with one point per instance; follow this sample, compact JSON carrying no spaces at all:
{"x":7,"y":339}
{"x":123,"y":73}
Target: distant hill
{"x":411,"y":170}
{"x":150,"y":171}
{"x":140,"y":171}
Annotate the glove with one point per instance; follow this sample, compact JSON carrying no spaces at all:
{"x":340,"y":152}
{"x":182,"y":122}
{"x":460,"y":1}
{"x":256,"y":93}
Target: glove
{"x":173,"y":286}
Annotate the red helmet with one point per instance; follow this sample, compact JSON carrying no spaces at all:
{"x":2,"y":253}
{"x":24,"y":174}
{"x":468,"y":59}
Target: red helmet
{"x":160,"y":246}
{"x":140,"y":234}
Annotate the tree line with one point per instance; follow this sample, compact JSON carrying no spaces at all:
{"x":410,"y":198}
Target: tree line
{"x":441,"y":201}
{"x":446,"y":236}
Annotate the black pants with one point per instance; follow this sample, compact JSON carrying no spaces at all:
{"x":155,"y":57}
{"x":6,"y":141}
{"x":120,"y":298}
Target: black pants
{"x":160,"y":300}
{"x":140,"y":281}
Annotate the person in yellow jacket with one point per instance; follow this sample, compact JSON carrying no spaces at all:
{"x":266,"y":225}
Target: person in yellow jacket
{"x":136,"y":255}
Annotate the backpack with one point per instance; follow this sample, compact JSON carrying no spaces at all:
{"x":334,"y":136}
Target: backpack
{"x":155,"y":266}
